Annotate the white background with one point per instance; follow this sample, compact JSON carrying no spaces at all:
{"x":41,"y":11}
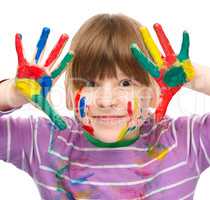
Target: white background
{"x":28,"y":18}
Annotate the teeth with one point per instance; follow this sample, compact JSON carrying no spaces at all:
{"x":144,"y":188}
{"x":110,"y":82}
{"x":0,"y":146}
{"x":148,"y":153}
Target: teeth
{"x":108,"y":121}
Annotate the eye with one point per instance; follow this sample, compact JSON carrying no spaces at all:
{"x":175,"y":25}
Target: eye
{"x":90,"y":84}
{"x":125,"y":83}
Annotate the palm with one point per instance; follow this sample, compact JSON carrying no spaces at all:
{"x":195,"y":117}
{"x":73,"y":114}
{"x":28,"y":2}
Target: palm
{"x":35,"y":81}
{"x":170,"y":72}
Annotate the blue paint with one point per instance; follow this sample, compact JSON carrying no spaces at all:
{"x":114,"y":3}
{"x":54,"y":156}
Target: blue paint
{"x":80,"y":180}
{"x":46,"y":84}
{"x":70,"y":196}
{"x":82,"y":106}
{"x":41,"y":43}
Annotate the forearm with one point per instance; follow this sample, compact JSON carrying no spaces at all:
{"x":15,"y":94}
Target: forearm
{"x":9,"y":96}
{"x":201,"y":82}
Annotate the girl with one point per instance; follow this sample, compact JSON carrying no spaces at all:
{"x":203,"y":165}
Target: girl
{"x":113,"y":149}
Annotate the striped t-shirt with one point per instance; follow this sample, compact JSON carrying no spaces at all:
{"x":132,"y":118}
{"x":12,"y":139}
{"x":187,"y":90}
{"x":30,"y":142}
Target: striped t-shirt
{"x":164,"y":163}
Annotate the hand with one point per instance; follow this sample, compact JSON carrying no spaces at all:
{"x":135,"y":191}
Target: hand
{"x":34,"y":81}
{"x":170,"y":72}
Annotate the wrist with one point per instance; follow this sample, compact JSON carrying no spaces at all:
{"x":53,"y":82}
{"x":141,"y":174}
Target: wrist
{"x":15,"y":98}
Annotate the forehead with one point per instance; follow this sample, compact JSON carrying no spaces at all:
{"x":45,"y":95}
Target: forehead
{"x":119,"y":74}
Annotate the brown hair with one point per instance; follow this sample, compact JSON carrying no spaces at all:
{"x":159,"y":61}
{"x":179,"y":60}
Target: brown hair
{"x":102,"y":44}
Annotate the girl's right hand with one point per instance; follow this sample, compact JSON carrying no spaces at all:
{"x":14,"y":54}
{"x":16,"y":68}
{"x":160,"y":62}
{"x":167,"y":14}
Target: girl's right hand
{"x":34,"y":82}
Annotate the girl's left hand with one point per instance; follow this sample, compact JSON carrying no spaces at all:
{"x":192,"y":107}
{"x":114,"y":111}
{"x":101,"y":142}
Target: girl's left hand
{"x":170,"y":72}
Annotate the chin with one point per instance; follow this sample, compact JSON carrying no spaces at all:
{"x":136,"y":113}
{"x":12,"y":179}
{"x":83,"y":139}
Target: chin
{"x":107,"y":140}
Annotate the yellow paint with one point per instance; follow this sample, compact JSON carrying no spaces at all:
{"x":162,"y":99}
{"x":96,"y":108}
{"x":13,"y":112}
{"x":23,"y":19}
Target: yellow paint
{"x":189,"y":69}
{"x":162,"y":154}
{"x":122,"y":132}
{"x":28,"y":87}
{"x":83,"y":194}
{"x":136,"y":105}
{"x":151,"y":46}
{"x":158,"y":155}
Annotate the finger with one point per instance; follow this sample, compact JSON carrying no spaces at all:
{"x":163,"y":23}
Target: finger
{"x":151,"y":46}
{"x":19,"y":50}
{"x":56,"y":51}
{"x":41,"y":44}
{"x":189,"y":69}
{"x":46,"y":107}
{"x":184,"y":52}
{"x":143,"y":61}
{"x":169,"y":52}
{"x":68,"y":58}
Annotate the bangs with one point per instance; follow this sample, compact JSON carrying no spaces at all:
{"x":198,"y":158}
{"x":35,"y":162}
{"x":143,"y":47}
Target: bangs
{"x":104,"y":45}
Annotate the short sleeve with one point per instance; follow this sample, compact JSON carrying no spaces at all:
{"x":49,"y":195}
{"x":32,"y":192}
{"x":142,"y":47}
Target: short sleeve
{"x":201,"y":132}
{"x":16,"y":139}
{"x":193,"y":134}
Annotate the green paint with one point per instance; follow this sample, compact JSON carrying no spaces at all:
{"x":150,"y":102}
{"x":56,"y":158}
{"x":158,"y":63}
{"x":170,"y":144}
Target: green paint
{"x":184,"y":52}
{"x":144,"y":62}
{"x":61,"y":171}
{"x":45,"y":106}
{"x":68,"y":57}
{"x":174,"y":76}
{"x":131,"y":129}
{"x":98,"y":143}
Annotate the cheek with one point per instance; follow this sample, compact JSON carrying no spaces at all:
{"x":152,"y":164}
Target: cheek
{"x":129,"y":108}
{"x":135,"y":107}
{"x":80,"y":104}
{"x":83,"y":107}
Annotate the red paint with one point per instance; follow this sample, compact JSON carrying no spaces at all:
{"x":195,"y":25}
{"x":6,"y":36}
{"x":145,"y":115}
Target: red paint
{"x":169,"y":52}
{"x":77,"y":98}
{"x":166,"y":95}
{"x":89,"y":129}
{"x":31,"y":72}
{"x":129,"y":108}
{"x":166,"y":98}
{"x":56,"y":50}
{"x":19,"y":50}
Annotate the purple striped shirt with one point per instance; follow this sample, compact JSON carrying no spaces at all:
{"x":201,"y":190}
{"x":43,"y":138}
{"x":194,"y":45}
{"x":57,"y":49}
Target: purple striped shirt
{"x":165,"y":163}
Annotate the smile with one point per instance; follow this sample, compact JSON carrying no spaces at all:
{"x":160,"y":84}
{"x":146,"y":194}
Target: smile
{"x":110,"y":119}
{"x":107,"y":117}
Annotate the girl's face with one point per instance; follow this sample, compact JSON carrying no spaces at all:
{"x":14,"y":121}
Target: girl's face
{"x":110,"y":107}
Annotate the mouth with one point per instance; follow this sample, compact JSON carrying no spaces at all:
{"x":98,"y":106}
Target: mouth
{"x":110,"y":119}
{"x":104,"y":117}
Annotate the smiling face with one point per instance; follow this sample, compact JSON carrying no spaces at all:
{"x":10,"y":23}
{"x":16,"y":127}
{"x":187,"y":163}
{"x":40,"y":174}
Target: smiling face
{"x":112,"y":107}
{"x":113,"y":102}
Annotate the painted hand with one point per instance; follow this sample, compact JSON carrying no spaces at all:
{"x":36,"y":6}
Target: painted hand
{"x":35,"y":81}
{"x":170,"y":72}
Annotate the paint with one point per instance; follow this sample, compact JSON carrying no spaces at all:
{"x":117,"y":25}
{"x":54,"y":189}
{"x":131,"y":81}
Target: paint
{"x":171,"y":71}
{"x":64,"y":63}
{"x":41,"y":43}
{"x":56,"y":51}
{"x":82,"y":107}
{"x":19,"y":50}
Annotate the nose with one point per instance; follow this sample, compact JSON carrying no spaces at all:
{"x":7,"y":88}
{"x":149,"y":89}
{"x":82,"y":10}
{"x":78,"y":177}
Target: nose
{"x":105,"y":98}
